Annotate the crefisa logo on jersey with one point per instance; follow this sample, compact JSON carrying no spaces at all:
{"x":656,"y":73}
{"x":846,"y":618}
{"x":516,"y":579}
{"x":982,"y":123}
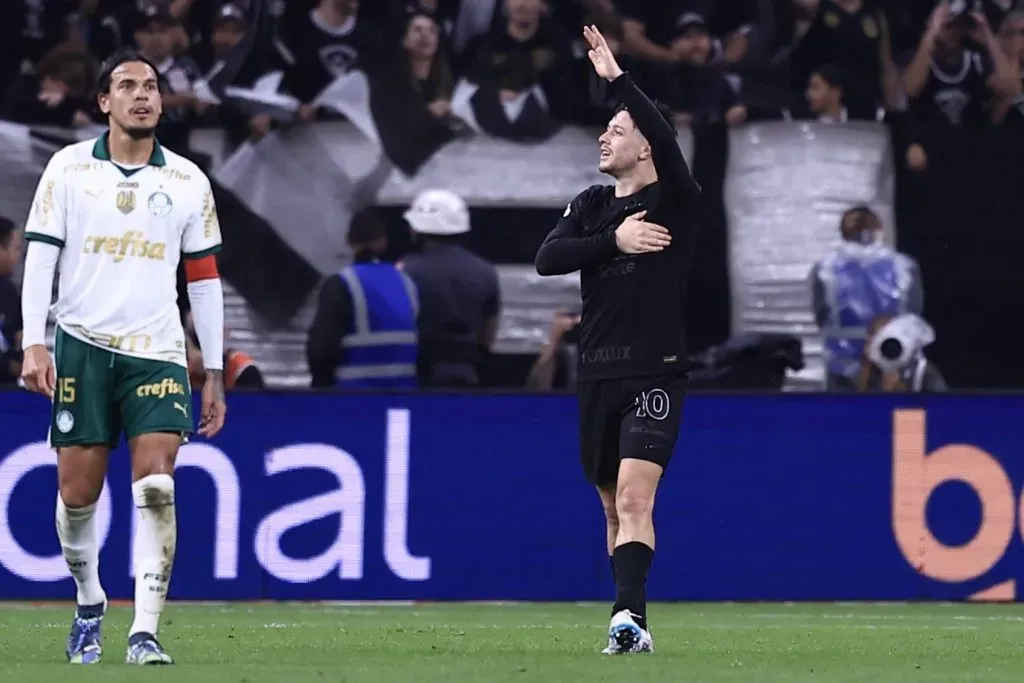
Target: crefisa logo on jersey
{"x":918,"y":475}
{"x":160,"y":204}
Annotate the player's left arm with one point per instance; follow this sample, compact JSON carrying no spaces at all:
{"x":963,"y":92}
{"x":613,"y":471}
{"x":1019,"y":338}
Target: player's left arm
{"x":199,"y":246}
{"x":673,"y":171}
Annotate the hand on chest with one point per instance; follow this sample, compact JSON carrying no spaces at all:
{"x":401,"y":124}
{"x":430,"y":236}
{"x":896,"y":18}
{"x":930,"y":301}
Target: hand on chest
{"x":612,"y":217}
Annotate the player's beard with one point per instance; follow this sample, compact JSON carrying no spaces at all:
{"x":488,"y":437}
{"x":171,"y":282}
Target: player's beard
{"x":140,"y":132}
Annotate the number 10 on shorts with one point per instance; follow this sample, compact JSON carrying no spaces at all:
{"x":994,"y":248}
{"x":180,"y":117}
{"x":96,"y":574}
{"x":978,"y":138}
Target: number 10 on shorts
{"x":653,"y":404}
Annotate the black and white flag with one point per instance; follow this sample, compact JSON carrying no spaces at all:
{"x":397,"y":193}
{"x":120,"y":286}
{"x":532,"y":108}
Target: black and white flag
{"x":524,"y":118}
{"x":294,"y":181}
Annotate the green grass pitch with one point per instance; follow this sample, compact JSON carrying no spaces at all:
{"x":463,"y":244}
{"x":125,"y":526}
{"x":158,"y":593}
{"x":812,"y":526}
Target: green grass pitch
{"x":556,"y":643}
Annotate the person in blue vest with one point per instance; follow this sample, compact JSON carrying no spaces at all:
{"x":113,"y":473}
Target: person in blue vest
{"x":364,"y":332}
{"x":862,"y":280}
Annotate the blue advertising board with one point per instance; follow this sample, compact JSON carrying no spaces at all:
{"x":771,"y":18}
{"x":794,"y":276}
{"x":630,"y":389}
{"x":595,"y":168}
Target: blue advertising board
{"x":481,"y":497}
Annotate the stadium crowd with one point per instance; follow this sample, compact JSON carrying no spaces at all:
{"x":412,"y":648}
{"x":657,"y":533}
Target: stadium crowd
{"x":955,"y":62}
{"x":951,"y":63}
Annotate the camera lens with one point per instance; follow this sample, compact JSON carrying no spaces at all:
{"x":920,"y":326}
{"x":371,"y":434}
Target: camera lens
{"x":891,"y":348}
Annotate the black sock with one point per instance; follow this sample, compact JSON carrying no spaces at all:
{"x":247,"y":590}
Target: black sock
{"x":632,"y":562}
{"x":90,"y":611}
{"x":611,"y":562}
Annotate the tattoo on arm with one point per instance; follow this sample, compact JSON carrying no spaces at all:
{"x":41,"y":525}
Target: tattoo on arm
{"x":215,"y":379}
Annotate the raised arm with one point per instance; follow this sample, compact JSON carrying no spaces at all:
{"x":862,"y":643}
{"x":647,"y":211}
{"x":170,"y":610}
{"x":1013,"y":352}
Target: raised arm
{"x":668,"y":159}
{"x":565,"y":250}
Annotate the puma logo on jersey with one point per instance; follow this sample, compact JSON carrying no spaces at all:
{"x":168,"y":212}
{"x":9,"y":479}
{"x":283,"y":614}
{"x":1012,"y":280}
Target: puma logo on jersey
{"x":178,"y":406}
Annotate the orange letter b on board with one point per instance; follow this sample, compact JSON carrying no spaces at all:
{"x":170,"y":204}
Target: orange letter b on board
{"x":917,"y":474}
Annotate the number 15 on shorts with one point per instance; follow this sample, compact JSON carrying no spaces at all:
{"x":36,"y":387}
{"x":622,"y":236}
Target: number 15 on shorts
{"x":65,"y":390}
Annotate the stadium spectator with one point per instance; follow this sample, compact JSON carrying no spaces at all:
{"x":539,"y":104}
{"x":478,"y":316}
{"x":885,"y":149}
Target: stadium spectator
{"x":328,"y":42}
{"x":950,"y":83}
{"x":860,"y":281}
{"x":36,"y":27}
{"x":825,"y":95}
{"x":58,"y":92}
{"x":1011,"y":39}
{"x":94,"y":24}
{"x":699,"y":91}
{"x":524,"y":70}
{"x":364,"y":330}
{"x":427,"y":68}
{"x":10,"y":303}
{"x":445,"y":13}
{"x":226,"y":33}
{"x":575,"y":14}
{"x":854,"y":35}
{"x":460,"y":296}
{"x":195,"y":20}
{"x":555,"y":367}
{"x":742,"y":31}
{"x":648,"y":27}
{"x":227,"y":30}
{"x":178,"y":75}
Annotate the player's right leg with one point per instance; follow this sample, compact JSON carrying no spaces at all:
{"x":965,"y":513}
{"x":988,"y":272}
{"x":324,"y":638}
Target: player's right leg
{"x":83,"y":430}
{"x":80,"y":472}
{"x":599,"y":455}
{"x":648,"y":432}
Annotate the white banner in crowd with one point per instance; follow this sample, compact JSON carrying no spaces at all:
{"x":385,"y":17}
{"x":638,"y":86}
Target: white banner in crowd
{"x":485,"y":171}
{"x":787,"y":186}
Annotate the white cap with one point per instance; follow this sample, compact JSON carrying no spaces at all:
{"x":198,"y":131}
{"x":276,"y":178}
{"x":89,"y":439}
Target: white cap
{"x":438,"y":212}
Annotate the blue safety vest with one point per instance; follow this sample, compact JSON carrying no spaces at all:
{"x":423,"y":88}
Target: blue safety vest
{"x":380,"y":350}
{"x":861,"y":283}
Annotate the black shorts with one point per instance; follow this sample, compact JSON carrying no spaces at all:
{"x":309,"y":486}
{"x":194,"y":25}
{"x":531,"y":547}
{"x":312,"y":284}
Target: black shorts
{"x":635,"y":418}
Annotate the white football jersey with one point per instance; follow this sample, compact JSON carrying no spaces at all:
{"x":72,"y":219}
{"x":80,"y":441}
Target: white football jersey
{"x":122,"y":232}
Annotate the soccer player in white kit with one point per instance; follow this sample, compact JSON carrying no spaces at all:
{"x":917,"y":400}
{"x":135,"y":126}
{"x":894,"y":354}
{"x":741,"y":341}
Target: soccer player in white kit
{"x":118,"y":213}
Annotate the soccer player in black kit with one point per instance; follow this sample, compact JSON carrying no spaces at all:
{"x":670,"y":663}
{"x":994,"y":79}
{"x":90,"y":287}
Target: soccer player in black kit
{"x":632,"y":244}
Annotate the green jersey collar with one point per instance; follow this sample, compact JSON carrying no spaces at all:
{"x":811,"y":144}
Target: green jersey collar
{"x":101,"y":151}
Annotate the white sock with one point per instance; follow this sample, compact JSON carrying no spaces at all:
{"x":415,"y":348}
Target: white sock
{"x":76,"y":529}
{"x":155,"y":540}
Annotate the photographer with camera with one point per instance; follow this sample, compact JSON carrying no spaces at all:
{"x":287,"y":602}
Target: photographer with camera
{"x":894,"y":357}
{"x":555,"y":367}
{"x":860,"y":281}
